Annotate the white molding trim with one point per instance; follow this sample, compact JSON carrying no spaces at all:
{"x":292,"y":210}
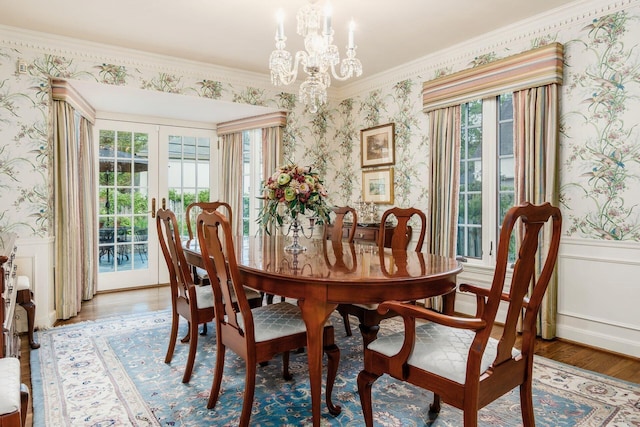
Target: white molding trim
{"x":613,"y":244}
{"x":604,"y":340}
{"x":594,"y":319}
{"x":506,"y":38}
{"x":19,"y":38}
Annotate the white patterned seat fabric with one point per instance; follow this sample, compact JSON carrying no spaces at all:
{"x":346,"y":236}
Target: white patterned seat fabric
{"x":439,"y":349}
{"x":455,"y":357}
{"x":276,"y":320}
{"x":204,"y":295}
{"x":255,"y":334}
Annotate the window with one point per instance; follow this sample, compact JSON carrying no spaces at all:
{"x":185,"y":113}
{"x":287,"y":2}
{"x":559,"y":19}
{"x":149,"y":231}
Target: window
{"x":189,"y":168}
{"x":486,"y":175}
{"x":251,"y":179}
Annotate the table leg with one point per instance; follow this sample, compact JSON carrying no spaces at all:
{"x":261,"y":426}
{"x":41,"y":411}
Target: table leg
{"x":449,"y":303}
{"x":315,"y":314}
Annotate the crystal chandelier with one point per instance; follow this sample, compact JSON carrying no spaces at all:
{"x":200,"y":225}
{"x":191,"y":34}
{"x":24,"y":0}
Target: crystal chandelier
{"x":319,"y":56}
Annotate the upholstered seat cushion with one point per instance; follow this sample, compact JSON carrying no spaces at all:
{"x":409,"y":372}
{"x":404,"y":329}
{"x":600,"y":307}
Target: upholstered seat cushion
{"x":372,"y":306}
{"x":202,"y":273}
{"x":23,"y":283}
{"x":10,"y":388}
{"x":204,"y":295}
{"x":439,"y":349}
{"x":276,"y":320}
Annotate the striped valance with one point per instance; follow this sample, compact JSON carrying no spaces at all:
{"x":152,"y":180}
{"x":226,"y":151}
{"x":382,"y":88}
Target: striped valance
{"x":534,"y":68}
{"x":269,"y":120}
{"x":61,"y":90}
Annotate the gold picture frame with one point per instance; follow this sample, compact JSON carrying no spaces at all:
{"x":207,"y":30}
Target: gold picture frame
{"x":377,"y":186}
{"x":378,"y":145}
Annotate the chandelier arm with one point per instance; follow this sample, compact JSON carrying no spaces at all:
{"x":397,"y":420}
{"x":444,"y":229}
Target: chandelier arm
{"x":336,"y":76}
{"x":290,"y":75}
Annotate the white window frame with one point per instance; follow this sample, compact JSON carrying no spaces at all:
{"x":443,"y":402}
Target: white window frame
{"x":490,"y":222}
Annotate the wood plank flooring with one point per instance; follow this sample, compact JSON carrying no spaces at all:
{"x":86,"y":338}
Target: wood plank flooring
{"x":157,"y":298}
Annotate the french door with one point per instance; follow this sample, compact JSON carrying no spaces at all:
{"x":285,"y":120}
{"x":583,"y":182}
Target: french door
{"x":143,"y":167}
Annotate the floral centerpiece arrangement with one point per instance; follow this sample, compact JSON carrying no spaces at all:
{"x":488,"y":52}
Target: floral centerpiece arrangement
{"x":290,"y":191}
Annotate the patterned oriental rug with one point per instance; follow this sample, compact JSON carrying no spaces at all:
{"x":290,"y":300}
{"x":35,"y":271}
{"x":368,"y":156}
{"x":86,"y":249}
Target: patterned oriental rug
{"x":112,"y":373}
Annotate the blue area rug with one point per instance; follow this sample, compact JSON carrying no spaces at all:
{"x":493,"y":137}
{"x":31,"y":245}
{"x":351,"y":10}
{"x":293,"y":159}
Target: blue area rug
{"x":112,"y":373}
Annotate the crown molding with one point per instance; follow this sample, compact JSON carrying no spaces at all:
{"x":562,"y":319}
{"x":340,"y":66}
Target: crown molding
{"x":20,"y":40}
{"x":515,"y":37}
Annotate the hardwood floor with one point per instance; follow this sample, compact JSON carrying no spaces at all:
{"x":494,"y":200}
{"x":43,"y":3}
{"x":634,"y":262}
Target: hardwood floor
{"x":157,"y":298}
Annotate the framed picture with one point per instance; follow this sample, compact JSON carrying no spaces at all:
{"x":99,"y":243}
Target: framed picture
{"x":378,"y":145}
{"x":377,"y":186}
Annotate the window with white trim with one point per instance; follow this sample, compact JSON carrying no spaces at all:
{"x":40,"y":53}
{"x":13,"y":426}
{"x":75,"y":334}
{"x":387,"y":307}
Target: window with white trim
{"x":486,"y":176}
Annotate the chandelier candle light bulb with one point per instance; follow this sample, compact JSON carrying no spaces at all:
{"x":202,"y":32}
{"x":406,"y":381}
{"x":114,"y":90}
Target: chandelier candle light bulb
{"x":318,"y":60}
{"x":352,"y":27}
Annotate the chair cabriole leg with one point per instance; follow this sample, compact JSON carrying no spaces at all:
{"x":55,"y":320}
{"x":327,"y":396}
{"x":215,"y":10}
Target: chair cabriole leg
{"x":365,"y":383}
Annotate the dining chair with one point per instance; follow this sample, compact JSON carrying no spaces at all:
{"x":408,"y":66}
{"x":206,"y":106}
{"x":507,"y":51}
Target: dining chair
{"x":335,"y":231}
{"x":192,"y":302}
{"x":191,"y":213}
{"x":455,"y":357}
{"x":257,"y":334}
{"x":368,"y":314}
{"x":140,"y":236}
{"x":402,"y":232}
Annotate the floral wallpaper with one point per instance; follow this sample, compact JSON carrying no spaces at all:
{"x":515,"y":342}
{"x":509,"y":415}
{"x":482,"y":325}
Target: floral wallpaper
{"x":601,"y":132}
{"x":600,"y":142}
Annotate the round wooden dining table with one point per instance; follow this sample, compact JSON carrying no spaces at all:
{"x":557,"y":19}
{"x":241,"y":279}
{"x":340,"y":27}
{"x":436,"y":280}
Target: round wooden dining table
{"x":328,"y":273}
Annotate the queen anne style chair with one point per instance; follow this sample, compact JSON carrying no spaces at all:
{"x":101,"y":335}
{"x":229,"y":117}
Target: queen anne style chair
{"x":455,"y":357}
{"x":191,"y":301}
{"x":191,"y":213}
{"x":336,"y":231}
{"x":368,"y":314}
{"x":256,"y":334}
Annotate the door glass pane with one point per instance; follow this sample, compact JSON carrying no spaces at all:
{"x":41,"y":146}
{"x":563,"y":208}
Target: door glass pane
{"x":188,"y":179}
{"x":470,"y":208}
{"x":123,"y":193}
{"x":506,"y":164}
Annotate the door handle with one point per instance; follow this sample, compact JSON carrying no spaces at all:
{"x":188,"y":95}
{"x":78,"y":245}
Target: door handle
{"x":153,"y":207}
{"x":164,"y":203}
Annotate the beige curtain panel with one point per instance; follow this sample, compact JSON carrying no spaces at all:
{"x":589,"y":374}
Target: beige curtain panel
{"x":75,"y":223}
{"x":533,"y":77}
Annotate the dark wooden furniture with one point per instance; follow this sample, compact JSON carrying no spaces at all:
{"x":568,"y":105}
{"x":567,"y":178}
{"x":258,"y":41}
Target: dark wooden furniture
{"x":14,"y":396}
{"x":367,"y":232}
{"x":193,"y":302}
{"x":338,"y":229}
{"x":191,"y":213}
{"x":266,"y":266}
{"x":10,"y":343}
{"x":194,"y":209}
{"x":397,"y":237}
{"x":24,"y":298}
{"x":477,"y":369}
{"x":258,"y":334}
{"x":189,"y":300}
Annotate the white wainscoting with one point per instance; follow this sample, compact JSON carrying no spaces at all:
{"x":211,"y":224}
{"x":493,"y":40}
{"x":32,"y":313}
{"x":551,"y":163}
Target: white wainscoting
{"x":34,"y":259}
{"x":598,"y":294}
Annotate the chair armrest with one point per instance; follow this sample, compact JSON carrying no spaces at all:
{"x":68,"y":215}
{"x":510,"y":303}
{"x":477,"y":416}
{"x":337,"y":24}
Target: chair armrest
{"x":410,"y":313}
{"x":483,"y":293}
{"x":417,"y":312}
